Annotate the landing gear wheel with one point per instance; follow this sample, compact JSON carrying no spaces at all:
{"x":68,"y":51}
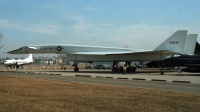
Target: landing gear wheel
{"x":113,"y":69}
{"x":76,"y":69}
{"x":133,"y":70}
{"x":119,"y":70}
{"x":128,"y":69}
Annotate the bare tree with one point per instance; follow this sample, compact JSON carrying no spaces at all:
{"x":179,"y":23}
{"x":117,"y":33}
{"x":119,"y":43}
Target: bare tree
{"x":62,"y":57}
{"x":1,"y":37}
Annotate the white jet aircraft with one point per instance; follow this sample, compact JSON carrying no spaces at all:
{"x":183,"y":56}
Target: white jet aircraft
{"x":17,"y":63}
{"x":83,"y":53}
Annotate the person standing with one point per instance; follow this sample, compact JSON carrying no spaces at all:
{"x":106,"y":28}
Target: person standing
{"x":124,"y":70}
{"x":179,"y":71}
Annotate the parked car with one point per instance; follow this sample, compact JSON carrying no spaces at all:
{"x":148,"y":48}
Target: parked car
{"x":110,"y":67}
{"x":89,"y":67}
{"x":101,"y":67}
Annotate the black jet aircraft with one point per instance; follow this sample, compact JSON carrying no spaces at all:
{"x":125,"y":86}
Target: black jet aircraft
{"x":177,"y":60}
{"x":191,"y":62}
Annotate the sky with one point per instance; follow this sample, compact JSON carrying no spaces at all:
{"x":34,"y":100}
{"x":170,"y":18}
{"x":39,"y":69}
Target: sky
{"x":139,"y":24}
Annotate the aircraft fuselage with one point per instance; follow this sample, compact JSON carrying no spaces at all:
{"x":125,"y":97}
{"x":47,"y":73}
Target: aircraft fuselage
{"x":92,"y":53}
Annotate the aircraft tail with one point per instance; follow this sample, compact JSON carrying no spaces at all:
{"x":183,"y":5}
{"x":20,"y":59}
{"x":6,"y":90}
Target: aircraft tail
{"x":30,"y":58}
{"x":190,"y":44}
{"x":175,"y":43}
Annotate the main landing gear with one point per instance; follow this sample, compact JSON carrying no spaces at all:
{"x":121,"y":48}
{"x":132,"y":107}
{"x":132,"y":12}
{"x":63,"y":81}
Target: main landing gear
{"x":76,"y":69}
{"x":129,"y":68}
{"x":116,"y":68}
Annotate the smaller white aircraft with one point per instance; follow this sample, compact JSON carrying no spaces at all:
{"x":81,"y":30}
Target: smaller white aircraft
{"x":17,"y":63}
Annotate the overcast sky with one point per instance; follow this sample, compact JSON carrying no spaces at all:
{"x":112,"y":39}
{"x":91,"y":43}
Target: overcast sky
{"x":141,"y":24}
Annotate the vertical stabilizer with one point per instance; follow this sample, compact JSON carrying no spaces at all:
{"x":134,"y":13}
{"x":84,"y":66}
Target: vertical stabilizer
{"x":175,"y":43}
{"x":30,"y":58}
{"x":190,"y":44}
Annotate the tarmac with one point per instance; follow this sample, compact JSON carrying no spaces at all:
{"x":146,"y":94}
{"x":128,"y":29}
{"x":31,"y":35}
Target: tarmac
{"x":147,"y":75}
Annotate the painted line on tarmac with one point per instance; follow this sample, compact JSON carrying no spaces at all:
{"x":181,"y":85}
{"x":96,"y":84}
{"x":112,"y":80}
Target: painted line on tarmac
{"x":109,"y":77}
{"x":159,"y":80}
{"x":122,"y":78}
{"x":181,"y":81}
{"x":79,"y":75}
{"x":138,"y":79}
{"x":86,"y":75}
